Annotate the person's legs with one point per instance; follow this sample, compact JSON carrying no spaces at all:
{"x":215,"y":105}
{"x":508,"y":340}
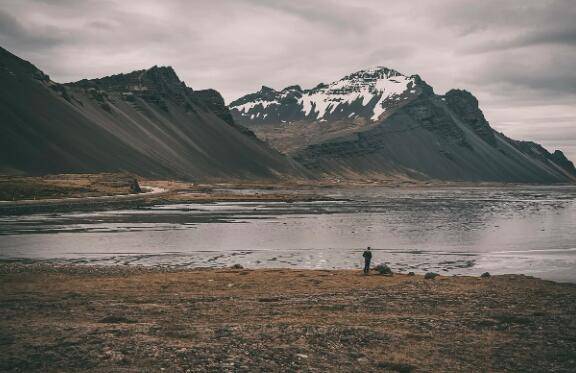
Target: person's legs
{"x":366,"y":266}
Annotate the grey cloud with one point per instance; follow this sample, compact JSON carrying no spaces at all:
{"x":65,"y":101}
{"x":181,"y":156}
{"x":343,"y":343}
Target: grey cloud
{"x":556,"y":36}
{"x":103,"y":25}
{"x":493,"y":25}
{"x":334,"y":14}
{"x":477,"y":16}
{"x":12,"y":30}
{"x":9,"y":26}
{"x":559,"y":36}
{"x":540,"y":74}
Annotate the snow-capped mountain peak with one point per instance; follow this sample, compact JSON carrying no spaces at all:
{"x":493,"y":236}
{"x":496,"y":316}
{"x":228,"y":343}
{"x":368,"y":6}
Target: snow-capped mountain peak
{"x":364,"y":94}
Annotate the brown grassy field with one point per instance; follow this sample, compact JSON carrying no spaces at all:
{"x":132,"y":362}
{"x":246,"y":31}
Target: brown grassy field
{"x":14,"y":188}
{"x":134,"y":319}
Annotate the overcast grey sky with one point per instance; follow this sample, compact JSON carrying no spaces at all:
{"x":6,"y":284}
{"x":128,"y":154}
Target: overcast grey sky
{"x":516,"y":56}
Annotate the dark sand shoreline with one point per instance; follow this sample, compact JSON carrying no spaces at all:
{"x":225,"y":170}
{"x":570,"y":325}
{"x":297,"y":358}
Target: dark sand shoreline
{"x":128,"y":318}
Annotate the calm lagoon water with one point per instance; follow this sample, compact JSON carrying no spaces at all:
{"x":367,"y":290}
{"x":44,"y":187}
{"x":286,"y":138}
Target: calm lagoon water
{"x":530,"y":230}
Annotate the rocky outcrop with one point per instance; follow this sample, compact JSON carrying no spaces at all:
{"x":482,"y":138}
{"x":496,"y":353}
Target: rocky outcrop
{"x":155,"y":85}
{"x":431,"y":116}
{"x":560,"y":159}
{"x":465,"y":106}
{"x":213,"y":101}
{"x":537,"y":151}
{"x":160,"y":80}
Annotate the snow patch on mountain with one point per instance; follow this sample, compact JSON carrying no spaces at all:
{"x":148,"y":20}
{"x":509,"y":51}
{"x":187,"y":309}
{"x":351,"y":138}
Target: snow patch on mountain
{"x":389,"y":89}
{"x":370,"y":88}
{"x":245,"y":108}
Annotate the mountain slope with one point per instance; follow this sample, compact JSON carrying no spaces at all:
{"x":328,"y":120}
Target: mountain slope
{"x":380,"y":124}
{"x":146,"y":122}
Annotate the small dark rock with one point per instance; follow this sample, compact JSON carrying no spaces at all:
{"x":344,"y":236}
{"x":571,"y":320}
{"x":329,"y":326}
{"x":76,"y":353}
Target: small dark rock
{"x":430,"y":275}
{"x":383,"y":269}
{"x":237,"y":266}
{"x":396,"y":367}
{"x":116,"y":319}
{"x":411,"y":274}
{"x":266,"y":300}
{"x":106,"y":107}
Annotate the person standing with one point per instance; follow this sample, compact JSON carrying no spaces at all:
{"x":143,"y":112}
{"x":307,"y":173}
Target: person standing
{"x":367,"y":258}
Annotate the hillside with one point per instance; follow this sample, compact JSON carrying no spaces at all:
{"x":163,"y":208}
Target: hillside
{"x":147,"y":122}
{"x":380,"y":124}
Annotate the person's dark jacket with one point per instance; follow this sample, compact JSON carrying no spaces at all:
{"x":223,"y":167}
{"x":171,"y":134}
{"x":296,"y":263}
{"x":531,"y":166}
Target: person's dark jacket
{"x":367,"y":255}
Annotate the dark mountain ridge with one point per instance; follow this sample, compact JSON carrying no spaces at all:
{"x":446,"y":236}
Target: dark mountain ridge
{"x":379,"y":124}
{"x":146,"y":122}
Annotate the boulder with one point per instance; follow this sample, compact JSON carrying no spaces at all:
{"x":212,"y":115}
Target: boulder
{"x":383,"y":269}
{"x":430,"y":275}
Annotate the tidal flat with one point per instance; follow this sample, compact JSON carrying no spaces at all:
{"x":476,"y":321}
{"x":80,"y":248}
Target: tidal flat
{"x":450,"y":230}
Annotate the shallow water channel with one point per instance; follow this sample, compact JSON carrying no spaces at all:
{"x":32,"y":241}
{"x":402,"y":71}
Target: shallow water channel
{"x":530,"y":230}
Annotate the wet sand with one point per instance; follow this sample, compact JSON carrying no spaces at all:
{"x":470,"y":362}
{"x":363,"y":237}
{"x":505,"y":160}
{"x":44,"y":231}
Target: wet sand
{"x":133,"y":319}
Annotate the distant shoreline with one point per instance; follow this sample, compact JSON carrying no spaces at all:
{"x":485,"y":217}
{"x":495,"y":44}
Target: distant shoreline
{"x":171,"y":191}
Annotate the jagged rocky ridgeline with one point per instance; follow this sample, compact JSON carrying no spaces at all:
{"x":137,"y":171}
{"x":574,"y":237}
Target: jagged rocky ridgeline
{"x":147,"y":122}
{"x":379,"y":124}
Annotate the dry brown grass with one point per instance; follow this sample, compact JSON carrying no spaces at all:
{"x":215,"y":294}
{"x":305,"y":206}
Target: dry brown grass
{"x":137,"y":319}
{"x":14,"y":188}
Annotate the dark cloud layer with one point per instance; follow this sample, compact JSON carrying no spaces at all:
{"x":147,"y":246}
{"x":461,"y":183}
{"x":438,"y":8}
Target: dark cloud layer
{"x":517,"y":56}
